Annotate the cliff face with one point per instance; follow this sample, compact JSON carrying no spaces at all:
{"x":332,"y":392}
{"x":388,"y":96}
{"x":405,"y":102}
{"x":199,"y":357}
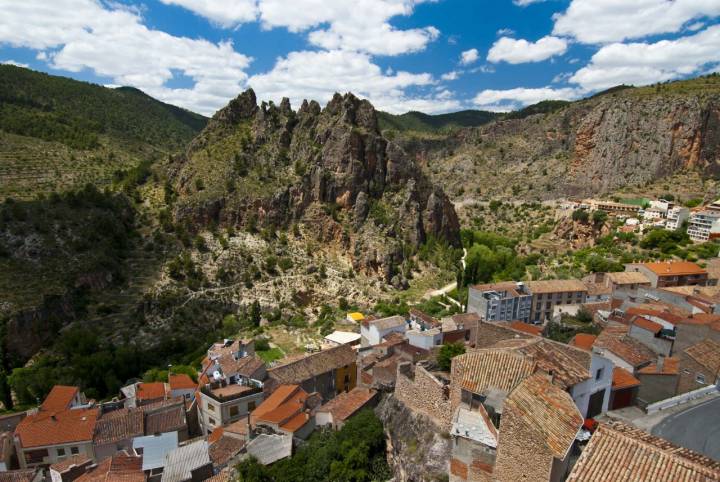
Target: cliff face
{"x":593,"y":146}
{"x":268,"y":166}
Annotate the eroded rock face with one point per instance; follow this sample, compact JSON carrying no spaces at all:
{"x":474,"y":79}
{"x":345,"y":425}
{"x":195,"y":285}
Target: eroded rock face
{"x":270,"y":166}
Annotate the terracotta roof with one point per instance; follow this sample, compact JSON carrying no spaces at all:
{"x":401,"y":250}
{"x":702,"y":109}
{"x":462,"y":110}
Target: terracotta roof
{"x":620,"y":453}
{"x":53,"y":428}
{"x":245,"y":366}
{"x":616,"y":340}
{"x":526,"y":327}
{"x":224,"y":449}
{"x":23,"y":475}
{"x":150,"y":391}
{"x":424,"y":317}
{"x":646,"y":324}
{"x":166,"y":419}
{"x":658,"y":313}
{"x":547,"y":410}
{"x":387,"y":323}
{"x":231,"y":390}
{"x":121,"y":467}
{"x":59,"y":398}
{"x":567,"y":364}
{"x":393,"y":338}
{"x":674,"y":268}
{"x":313,"y":365}
{"x":181,"y":381}
{"x":118,"y":425}
{"x":701,"y":319}
{"x":628,"y":278}
{"x":556,"y":286}
{"x":70,"y":462}
{"x":347,"y":404}
{"x":238,"y":428}
{"x":222,"y":476}
{"x":296,"y":422}
{"x":284,"y":401}
{"x":215,"y":435}
{"x":485,"y":369}
{"x":583,"y":340}
{"x":670,"y":367}
{"x":623,"y":379}
{"x":707,"y":354}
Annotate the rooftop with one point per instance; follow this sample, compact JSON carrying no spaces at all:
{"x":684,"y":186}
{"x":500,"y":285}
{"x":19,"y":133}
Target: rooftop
{"x":313,"y":365}
{"x":424,"y":317}
{"x":474,"y":425}
{"x":583,"y":340}
{"x":387,"y":323}
{"x":347,"y":404}
{"x":707,"y":354}
{"x":70,"y":462}
{"x":674,"y":268}
{"x":508,"y":289}
{"x":670,"y":367}
{"x":356,"y":316}
{"x":54,"y":428}
{"x":59,"y":398}
{"x":568,"y":365}
{"x":623,"y":379}
{"x":150,"y":391}
{"x":23,"y":475}
{"x":181,"y":381}
{"x":270,"y":448}
{"x":616,"y":340}
{"x":646,"y":324}
{"x":620,"y":453}
{"x":224,"y":449}
{"x":556,"y":286}
{"x":485,"y":369}
{"x":343,"y":337}
{"x":285,"y":408}
{"x":121,"y":467}
{"x":526,"y":327}
{"x":232,"y":391}
{"x":628,"y":278}
{"x":118,"y":425}
{"x":180,"y":463}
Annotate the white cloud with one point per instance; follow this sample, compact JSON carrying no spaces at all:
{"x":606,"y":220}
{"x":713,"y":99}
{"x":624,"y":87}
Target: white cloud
{"x":15,"y":63}
{"x":518,"y":51}
{"x":318,"y":75}
{"x":561,"y":77}
{"x":645,"y":63}
{"x":593,"y":21}
{"x":226,"y":13}
{"x":114,"y":43}
{"x":512,"y":99}
{"x":452,"y":75}
{"x":525,"y":3}
{"x":469,"y":56}
{"x":505,"y":31}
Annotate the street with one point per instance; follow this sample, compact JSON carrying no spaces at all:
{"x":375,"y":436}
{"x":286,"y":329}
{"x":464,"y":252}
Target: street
{"x":697,"y":428}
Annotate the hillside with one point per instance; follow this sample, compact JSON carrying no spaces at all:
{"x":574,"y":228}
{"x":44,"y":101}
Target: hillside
{"x":420,"y":122}
{"x":57,"y":133}
{"x":624,"y":138}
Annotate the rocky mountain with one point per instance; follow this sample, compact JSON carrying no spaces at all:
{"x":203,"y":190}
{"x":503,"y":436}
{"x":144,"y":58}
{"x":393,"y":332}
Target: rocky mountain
{"x":624,"y":137}
{"x":269,"y":166}
{"x":421,"y":122}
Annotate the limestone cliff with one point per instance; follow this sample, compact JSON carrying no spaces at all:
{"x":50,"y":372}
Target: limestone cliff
{"x":268,"y":166}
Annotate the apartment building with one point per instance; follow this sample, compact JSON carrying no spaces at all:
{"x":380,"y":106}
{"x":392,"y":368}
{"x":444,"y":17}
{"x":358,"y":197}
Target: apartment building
{"x":704,"y":225}
{"x":507,"y":301}
{"x":550,"y":293}
{"x":676,"y":217}
{"x":665,"y":274}
{"x":223,"y":404}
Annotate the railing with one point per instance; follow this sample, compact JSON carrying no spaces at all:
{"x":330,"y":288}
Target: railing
{"x":678,"y":399}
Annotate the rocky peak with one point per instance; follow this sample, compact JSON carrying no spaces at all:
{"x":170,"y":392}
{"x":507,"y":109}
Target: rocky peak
{"x":242,"y":107}
{"x":353,"y":111}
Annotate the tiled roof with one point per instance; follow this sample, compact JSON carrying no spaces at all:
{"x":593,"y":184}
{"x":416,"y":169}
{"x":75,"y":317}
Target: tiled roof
{"x":59,"y":398}
{"x":387,"y":323}
{"x":567,"y":364}
{"x":556,"y":286}
{"x":224,"y":449}
{"x":616,"y":340}
{"x":180,"y":462}
{"x":670,"y":367}
{"x":583,"y":340}
{"x":509,"y":287}
{"x":285,"y":397}
{"x":707,"y":354}
{"x":348,"y":403}
{"x":23,"y":475}
{"x":674,"y":268}
{"x":623,"y":379}
{"x":270,"y":448}
{"x":547,"y":410}
{"x":526,"y":327}
{"x":238,"y":428}
{"x":222,"y":476}
{"x":164,"y":420}
{"x":424,"y":317}
{"x":296,"y":422}
{"x":701,"y":319}
{"x":628,"y":278}
{"x":658,"y":313}
{"x":493,"y":369}
{"x":121,"y":467}
{"x":118,"y":425}
{"x":181,"y":381}
{"x":646,"y":324}
{"x":70,"y":462}
{"x":619,"y":453}
{"x":313,"y":365}
{"x":245,"y":366}
{"x":150,"y":391}
{"x":53,"y":428}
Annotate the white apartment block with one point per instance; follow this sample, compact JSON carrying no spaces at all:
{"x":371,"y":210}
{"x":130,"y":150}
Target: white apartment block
{"x":676,"y":217}
{"x":702,"y":224}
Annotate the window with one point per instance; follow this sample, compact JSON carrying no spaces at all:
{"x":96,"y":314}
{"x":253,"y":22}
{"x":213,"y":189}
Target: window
{"x":251,"y":406}
{"x":234,"y":411}
{"x":700,"y":378}
{"x":74,"y":450}
{"x":599,"y":373}
{"x":61,"y":452}
{"x":211,"y":421}
{"x":211,"y":407}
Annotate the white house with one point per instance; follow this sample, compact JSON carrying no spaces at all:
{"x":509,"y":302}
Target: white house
{"x":373,"y":332}
{"x":425,"y":339}
{"x":592,"y":396}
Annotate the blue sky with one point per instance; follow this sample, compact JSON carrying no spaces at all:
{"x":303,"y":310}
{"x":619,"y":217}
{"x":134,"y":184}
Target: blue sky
{"x":432,"y":56}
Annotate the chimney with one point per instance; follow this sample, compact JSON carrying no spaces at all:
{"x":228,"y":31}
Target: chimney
{"x":660,"y":363}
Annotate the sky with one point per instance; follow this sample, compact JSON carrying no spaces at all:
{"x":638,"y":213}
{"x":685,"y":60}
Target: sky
{"x":433,"y":56}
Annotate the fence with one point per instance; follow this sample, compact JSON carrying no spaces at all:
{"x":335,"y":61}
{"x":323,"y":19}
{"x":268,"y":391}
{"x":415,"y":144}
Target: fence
{"x":678,"y":399}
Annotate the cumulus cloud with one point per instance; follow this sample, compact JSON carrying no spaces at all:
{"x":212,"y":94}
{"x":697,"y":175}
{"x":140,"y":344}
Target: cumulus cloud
{"x":505,"y":32}
{"x":318,"y":75}
{"x":592,"y":21}
{"x":645,"y":63}
{"x":226,"y":13}
{"x":518,"y":51}
{"x":512,"y":99}
{"x":15,"y":63}
{"x":452,"y":75}
{"x":469,"y":56}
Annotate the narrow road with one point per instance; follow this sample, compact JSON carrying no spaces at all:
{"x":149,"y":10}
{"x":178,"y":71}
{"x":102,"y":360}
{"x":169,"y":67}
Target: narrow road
{"x":697,"y":428}
{"x":449,"y":287}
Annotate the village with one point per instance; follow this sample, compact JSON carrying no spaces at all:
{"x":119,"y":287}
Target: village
{"x":493,"y":378}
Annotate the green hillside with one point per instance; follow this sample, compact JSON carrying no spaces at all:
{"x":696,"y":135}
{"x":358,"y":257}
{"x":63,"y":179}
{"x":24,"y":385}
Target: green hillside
{"x":417,"y":121}
{"x":57,"y":133}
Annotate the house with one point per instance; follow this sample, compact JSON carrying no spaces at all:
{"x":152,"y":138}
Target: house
{"x":539,"y":427}
{"x":474,"y":445}
{"x":7,"y":451}
{"x":328,"y":372}
{"x":289,"y":410}
{"x":425,"y":339}
{"x":120,"y":467}
{"x":625,"y":389}
{"x":626,"y":280}
{"x":269,"y":448}
{"x":70,"y":469}
{"x":550,"y":293}
{"x":699,"y":366}
{"x":460,"y":327}
{"x":22,"y":475}
{"x":653,"y":335}
{"x":373,"y":331}
{"x":225,"y":451}
{"x":693,"y":329}
{"x":337,"y":338}
{"x":615,"y":208}
{"x":181,"y":385}
{"x":704,"y":225}
{"x":154,"y":449}
{"x":147,"y":393}
{"x":419,"y":320}
{"x":670,"y":273}
{"x":229,"y":368}
{"x":676,"y":217}
{"x":500,"y":301}
{"x":116,"y":430}
{"x":187,"y":463}
{"x":658,"y":381}
{"x":338,"y":410}
{"x":620,"y":453}
{"x":220,"y":403}
{"x":625,"y":351}
{"x":60,"y":428}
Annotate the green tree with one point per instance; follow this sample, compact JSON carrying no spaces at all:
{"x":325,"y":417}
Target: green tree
{"x":447,"y":353}
{"x":580,"y":215}
{"x":599,"y":216}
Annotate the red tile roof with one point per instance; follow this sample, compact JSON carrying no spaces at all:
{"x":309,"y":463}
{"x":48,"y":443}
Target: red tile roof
{"x":616,"y":340}
{"x":54,"y":428}
{"x":623,"y":379}
{"x":59,"y":398}
{"x":658,"y":313}
{"x":526,"y":327}
{"x":646,"y":324}
{"x":121,"y":467}
{"x":181,"y":381}
{"x":22,"y":475}
{"x":674,"y":268}
{"x":670,"y":367}
{"x":707,"y":354}
{"x":150,"y":391}
{"x":70,"y":462}
{"x":583,"y":340}
{"x":347,"y":404}
{"x":223,"y":449}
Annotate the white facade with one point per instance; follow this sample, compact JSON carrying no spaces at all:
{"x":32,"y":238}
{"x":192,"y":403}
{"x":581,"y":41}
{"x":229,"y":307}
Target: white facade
{"x":651,"y":214}
{"x":372,"y":333}
{"x":424,"y":339}
{"x":702,"y":223}
{"x":676,"y":217}
{"x":601,"y":372}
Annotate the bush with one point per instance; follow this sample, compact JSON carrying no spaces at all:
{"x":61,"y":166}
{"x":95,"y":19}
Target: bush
{"x":447,"y":353}
{"x":580,"y":215}
{"x":262,"y":344}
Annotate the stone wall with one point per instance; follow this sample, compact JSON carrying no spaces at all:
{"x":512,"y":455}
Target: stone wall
{"x":521,"y":453}
{"x":421,"y":391}
{"x":687,"y":382}
{"x":655,"y":387}
{"x":489,"y":334}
